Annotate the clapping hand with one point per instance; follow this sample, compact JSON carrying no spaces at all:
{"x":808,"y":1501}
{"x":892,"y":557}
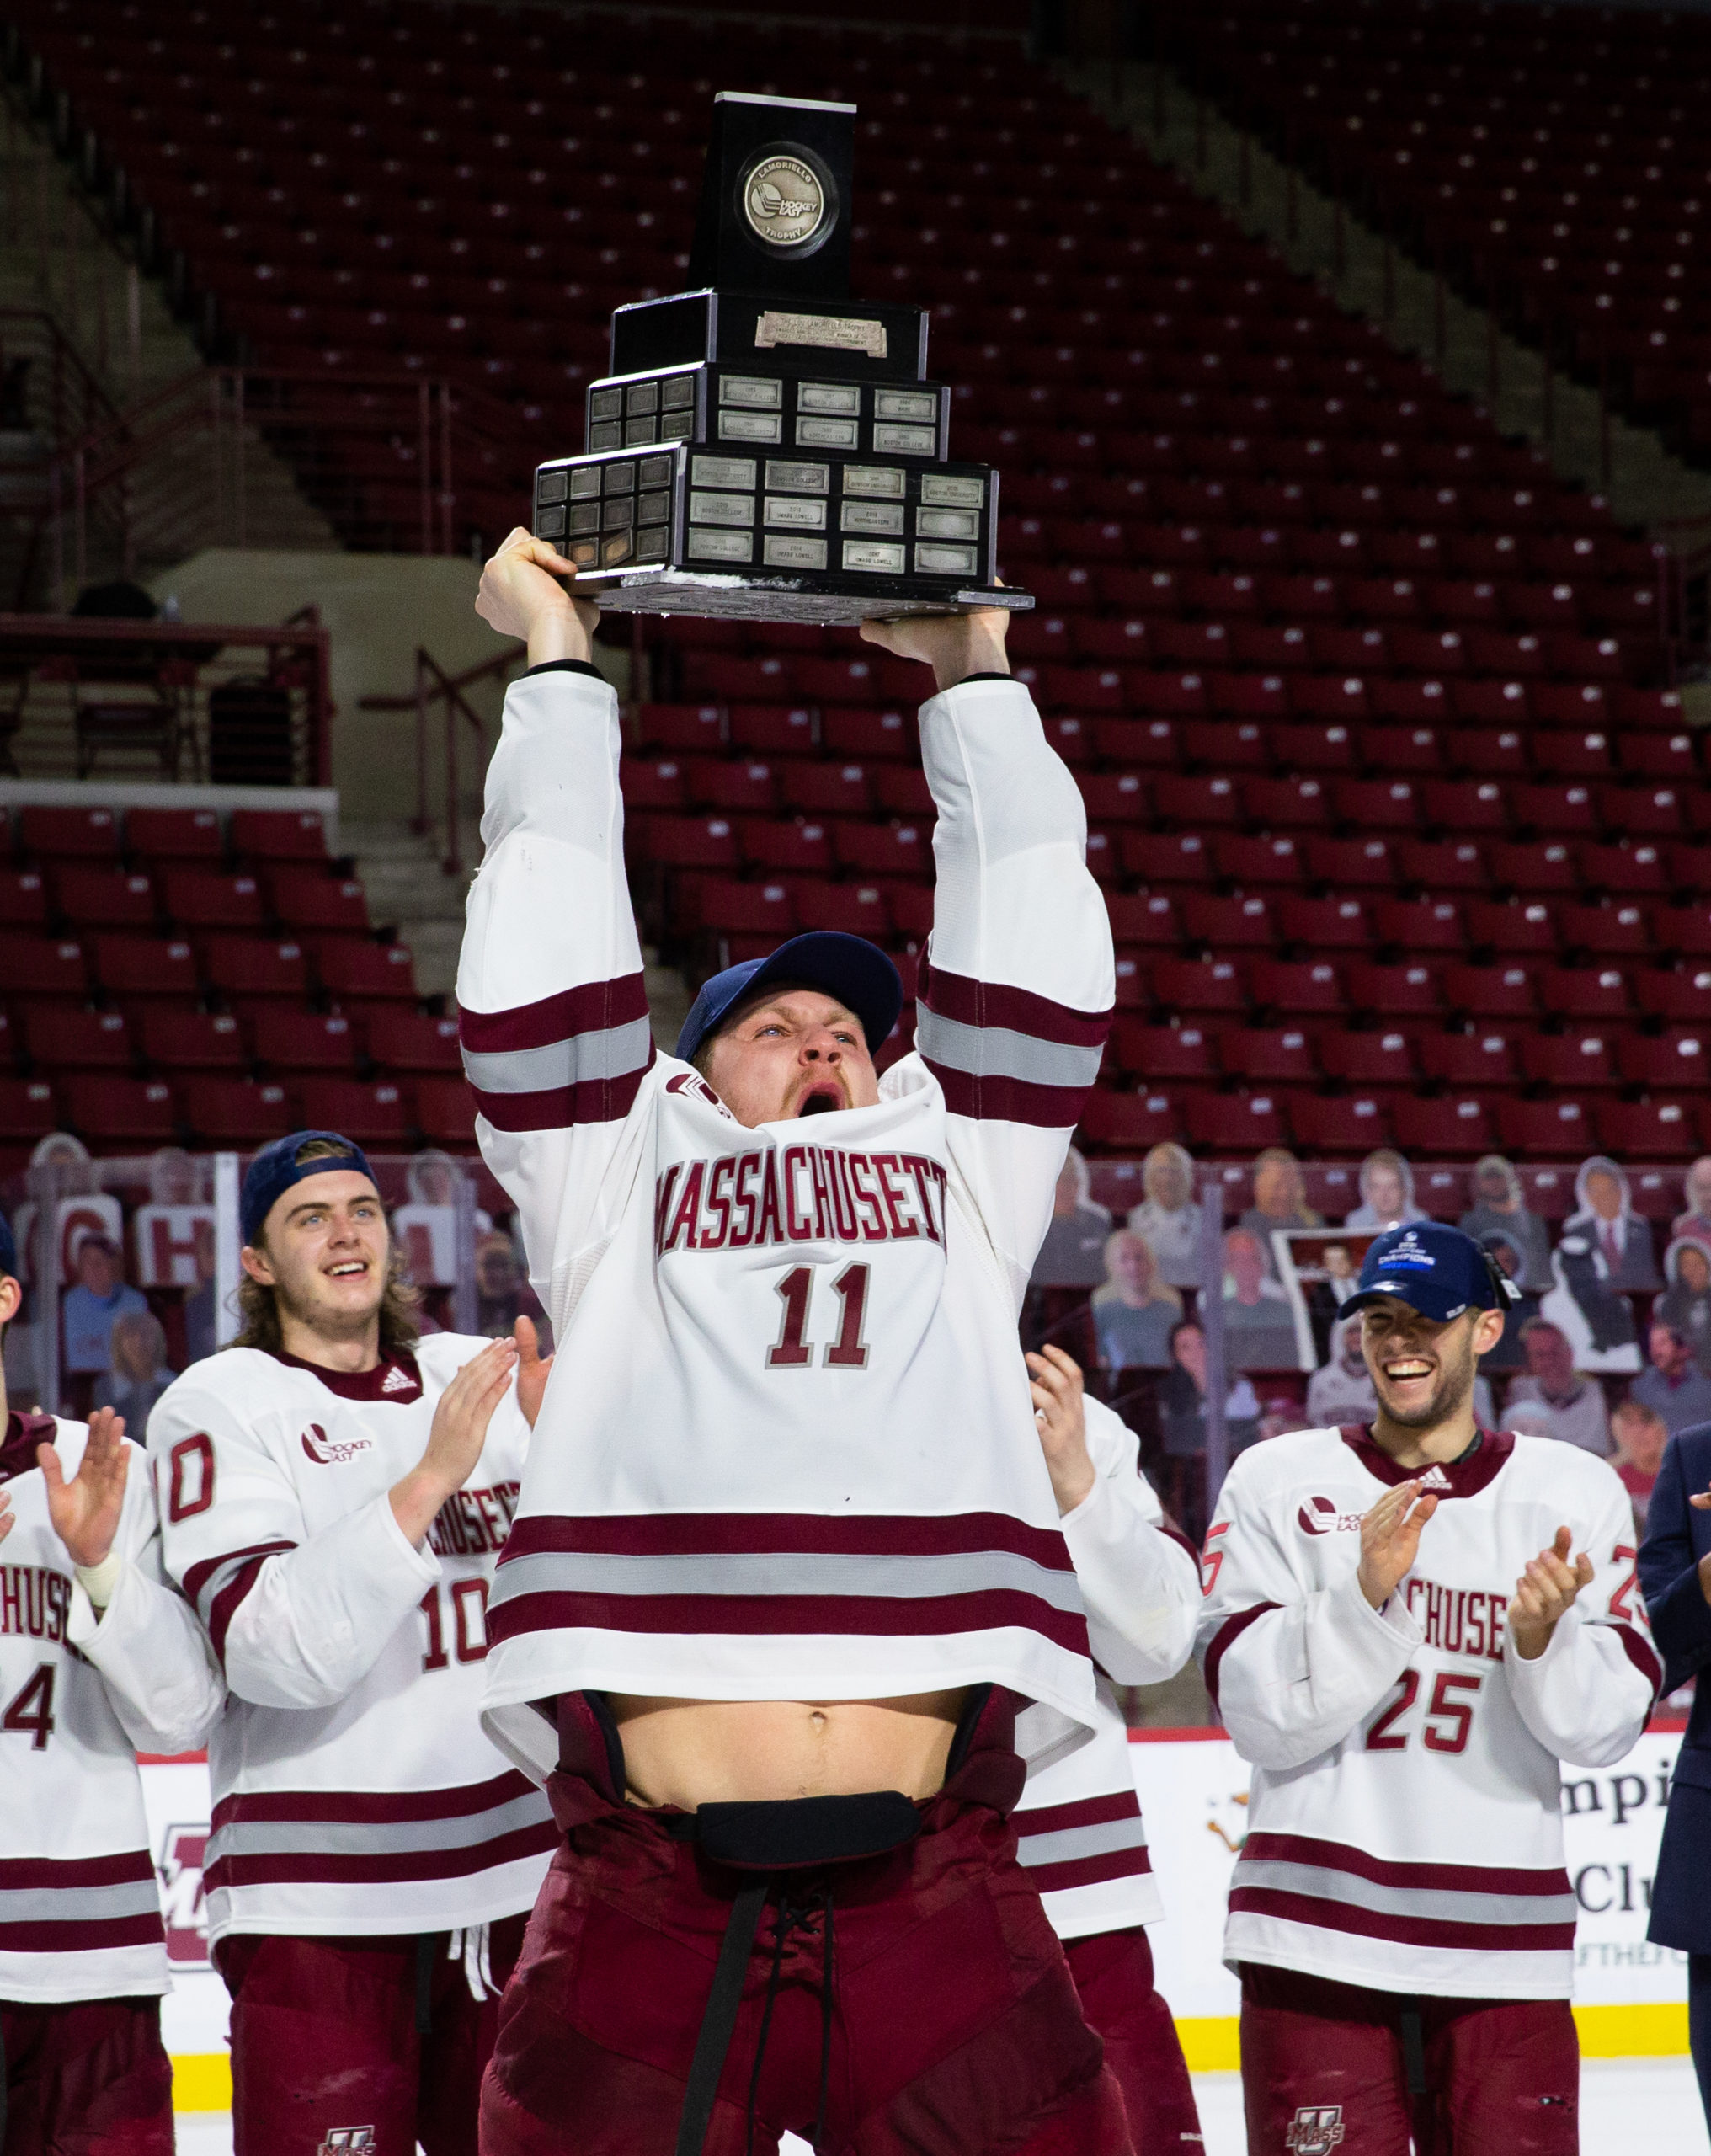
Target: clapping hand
{"x":1055,"y":1382}
{"x":85,"y":1509}
{"x":1545,"y":1591}
{"x":1390,"y":1540}
{"x":533,"y":1369}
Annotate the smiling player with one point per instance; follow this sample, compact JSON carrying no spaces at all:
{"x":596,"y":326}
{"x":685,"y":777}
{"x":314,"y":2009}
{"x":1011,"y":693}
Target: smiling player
{"x":1406,"y":1628}
{"x":334,"y":1493}
{"x":788,"y":1558}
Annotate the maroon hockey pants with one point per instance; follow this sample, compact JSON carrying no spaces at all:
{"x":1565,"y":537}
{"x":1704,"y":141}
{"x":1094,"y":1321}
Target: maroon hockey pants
{"x":1113,"y":1973}
{"x":88,"y":2078}
{"x":328,"y":2050}
{"x":951,"y":2023}
{"x":1328,"y":2066}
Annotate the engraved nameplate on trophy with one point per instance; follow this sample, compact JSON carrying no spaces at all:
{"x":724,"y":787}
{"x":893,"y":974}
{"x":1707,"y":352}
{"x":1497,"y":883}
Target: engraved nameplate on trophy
{"x":763,"y":446}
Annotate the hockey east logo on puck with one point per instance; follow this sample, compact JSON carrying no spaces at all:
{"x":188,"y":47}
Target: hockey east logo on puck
{"x":1315,"y":2130}
{"x":332,"y":1452}
{"x":1319,"y":1516}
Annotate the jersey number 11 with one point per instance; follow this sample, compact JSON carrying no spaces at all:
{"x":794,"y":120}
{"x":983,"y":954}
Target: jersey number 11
{"x":793,"y":1350}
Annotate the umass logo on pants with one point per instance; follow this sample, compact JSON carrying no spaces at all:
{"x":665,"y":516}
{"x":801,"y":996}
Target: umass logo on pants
{"x":1315,"y":2130}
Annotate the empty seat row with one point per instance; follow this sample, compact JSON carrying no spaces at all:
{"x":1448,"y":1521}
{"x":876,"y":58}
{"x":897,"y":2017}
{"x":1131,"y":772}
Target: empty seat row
{"x":113,"y":1114}
{"x":232,"y":965}
{"x":102,"y":834}
{"x":1423,"y":988}
{"x":85,"y":894}
{"x":282,"y":1037}
{"x":1458,"y":1127}
{"x":1486,"y":1059}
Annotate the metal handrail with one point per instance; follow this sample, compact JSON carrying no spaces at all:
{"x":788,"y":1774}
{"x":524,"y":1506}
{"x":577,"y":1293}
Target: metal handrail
{"x":433,"y":683}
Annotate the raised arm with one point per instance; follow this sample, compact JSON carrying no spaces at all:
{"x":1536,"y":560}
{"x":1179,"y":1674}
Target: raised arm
{"x":553,"y":1011}
{"x":1292,"y":1670}
{"x":1015,"y":999}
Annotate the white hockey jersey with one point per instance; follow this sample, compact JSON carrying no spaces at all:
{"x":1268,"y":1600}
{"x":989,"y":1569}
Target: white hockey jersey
{"x":80,"y":1912}
{"x":1405,"y":1827}
{"x":353,"y":1791}
{"x":1079,"y":1825}
{"x":786,"y":1451}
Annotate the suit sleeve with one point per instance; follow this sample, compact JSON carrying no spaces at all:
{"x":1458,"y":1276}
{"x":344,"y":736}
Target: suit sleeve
{"x":1587,"y":1696}
{"x":1668,"y":1566}
{"x":1139,"y":1579}
{"x":1016,"y":997}
{"x":153,"y":1655}
{"x":1292,"y":1671}
{"x":297,"y":1619}
{"x":552,"y":1012}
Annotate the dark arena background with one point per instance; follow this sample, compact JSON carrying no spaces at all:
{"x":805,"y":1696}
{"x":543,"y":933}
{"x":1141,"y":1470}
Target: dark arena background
{"x":1348,"y":369}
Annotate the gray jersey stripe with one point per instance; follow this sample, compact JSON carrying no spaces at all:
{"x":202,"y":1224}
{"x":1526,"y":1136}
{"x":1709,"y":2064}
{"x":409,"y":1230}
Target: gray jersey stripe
{"x":1447,"y":1904}
{"x":579,"y":1060}
{"x":1000,"y":1052}
{"x":1069,"y":1843}
{"x":129,"y":1897}
{"x":972,"y":1572}
{"x":375,"y":1838}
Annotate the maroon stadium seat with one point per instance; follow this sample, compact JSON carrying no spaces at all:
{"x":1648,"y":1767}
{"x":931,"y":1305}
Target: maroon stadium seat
{"x":109,"y":1111}
{"x":174,"y":834}
{"x":62,"y":1037}
{"x":445,"y":1113}
{"x":235,"y":1111}
{"x":1129,"y":1122}
{"x":131,"y":966}
{"x":366,"y":972}
{"x":105,"y":897}
{"x":1351,"y":1124}
{"x":87,"y":833}
{"x":279,"y":833}
{"x":1235,"y":1123}
{"x":381,"y":1113}
{"x":289,"y":1038}
{"x":1451,"y":1127}
{"x":173,"y":1039}
{"x":1152,"y":1054}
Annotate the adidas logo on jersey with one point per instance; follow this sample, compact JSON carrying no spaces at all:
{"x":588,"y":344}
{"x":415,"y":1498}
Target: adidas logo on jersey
{"x":1315,"y":2130}
{"x":395,"y":1380}
{"x":1435,"y":1479}
{"x":347,"y":2140}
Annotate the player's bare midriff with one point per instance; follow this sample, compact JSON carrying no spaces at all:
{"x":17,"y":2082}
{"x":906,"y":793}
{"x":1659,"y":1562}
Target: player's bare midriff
{"x":688,"y":1753}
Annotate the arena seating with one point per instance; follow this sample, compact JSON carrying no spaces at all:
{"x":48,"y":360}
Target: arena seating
{"x":157,"y":988}
{"x":1549,"y":160}
{"x":1370,"y":712}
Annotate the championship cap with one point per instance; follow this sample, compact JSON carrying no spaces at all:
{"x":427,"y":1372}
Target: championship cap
{"x":276,"y":1168}
{"x":856,"y":972}
{"x":1435,"y":1270}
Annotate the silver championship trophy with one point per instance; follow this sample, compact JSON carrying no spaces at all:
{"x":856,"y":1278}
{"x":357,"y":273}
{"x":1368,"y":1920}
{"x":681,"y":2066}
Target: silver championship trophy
{"x":765,"y":446}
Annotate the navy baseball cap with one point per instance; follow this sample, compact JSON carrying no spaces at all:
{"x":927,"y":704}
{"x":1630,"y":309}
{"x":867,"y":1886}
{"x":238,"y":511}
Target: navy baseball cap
{"x":1435,"y":1270}
{"x":856,"y":972}
{"x":277,"y":1169}
{"x":9,"y":1251}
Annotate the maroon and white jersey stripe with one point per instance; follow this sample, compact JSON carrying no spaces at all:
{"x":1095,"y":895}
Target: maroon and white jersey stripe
{"x":764,"y":1478}
{"x":1460,"y":1908}
{"x":1078,"y":1823}
{"x":353,"y":1790}
{"x":1406,"y":1821}
{"x":63,"y":1906}
{"x":578,"y":1057}
{"x":80,"y":1912}
{"x":383,"y":1839}
{"x":1002,"y":1053}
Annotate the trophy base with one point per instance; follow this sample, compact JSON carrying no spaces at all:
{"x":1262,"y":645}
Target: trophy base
{"x":831,"y":601}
